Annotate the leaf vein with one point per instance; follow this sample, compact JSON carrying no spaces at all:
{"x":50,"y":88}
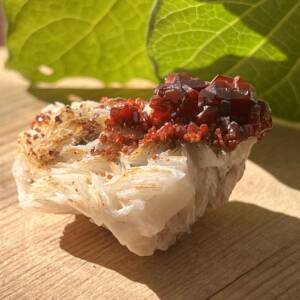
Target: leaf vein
{"x":43,"y":27}
{"x":130,"y":58}
{"x":230,"y":24}
{"x":21,"y":8}
{"x":180,"y":32}
{"x":87,"y":32}
{"x":266,"y":38}
{"x":286,"y":77}
{"x":178,"y":11}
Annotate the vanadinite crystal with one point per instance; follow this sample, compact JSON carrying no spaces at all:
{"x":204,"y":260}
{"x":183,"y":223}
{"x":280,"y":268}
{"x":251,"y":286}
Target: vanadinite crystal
{"x":221,"y":113}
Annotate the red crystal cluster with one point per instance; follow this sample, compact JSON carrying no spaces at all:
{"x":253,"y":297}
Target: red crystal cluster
{"x":221,"y":113}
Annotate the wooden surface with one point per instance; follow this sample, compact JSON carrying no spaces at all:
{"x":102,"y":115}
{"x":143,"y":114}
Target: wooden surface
{"x":248,"y":249}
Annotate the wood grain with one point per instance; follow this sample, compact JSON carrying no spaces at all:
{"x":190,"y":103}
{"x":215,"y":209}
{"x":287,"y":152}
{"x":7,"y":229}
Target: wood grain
{"x":248,"y":249}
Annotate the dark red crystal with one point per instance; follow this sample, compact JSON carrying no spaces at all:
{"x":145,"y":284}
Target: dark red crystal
{"x":222,"y":113}
{"x":126,"y":113}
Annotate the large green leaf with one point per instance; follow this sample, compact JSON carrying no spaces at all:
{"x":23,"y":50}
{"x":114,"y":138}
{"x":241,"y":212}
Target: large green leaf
{"x":258,"y":39}
{"x":104,"y":39}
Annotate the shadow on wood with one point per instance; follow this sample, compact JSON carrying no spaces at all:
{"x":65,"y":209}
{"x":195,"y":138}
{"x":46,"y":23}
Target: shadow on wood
{"x":278,"y":153}
{"x":69,"y":94}
{"x":237,"y":250}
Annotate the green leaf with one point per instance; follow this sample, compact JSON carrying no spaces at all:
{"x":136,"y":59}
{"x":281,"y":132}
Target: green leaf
{"x":113,"y":40}
{"x":52,"y":39}
{"x":257,"y":39}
